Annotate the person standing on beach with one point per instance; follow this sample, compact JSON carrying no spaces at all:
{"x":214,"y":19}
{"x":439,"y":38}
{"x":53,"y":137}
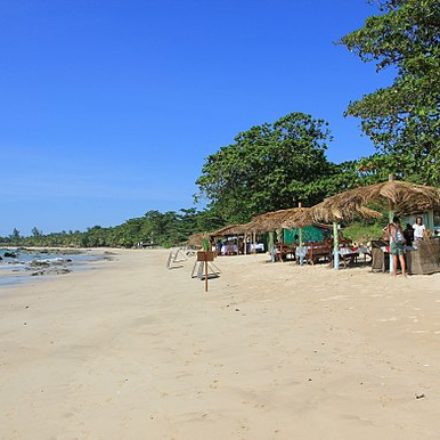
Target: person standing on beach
{"x":419,"y":230}
{"x":397,"y":245}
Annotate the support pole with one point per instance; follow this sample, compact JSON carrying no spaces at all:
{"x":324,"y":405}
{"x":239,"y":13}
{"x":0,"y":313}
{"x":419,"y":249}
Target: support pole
{"x":245,"y":243}
{"x":301,"y":243}
{"x":280,"y":238}
{"x":206,"y":275}
{"x":335,"y":245}
{"x":430,"y":222}
{"x":390,"y":218}
{"x":271,"y":246}
{"x":254,"y":242}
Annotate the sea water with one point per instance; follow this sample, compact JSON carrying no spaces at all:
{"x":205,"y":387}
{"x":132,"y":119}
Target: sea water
{"x":19,"y":269}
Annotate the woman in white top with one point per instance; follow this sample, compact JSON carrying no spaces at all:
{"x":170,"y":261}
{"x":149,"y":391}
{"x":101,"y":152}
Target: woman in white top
{"x":419,"y":229}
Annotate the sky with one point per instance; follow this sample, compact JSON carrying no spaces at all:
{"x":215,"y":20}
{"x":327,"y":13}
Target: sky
{"x":108,"y":108}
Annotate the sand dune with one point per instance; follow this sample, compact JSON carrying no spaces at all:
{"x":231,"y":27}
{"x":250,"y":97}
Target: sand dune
{"x":132,"y":350}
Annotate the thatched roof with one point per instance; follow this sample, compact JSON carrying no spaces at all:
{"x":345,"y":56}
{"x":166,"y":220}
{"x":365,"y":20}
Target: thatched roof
{"x":297,"y":218}
{"x":235,"y":229}
{"x":327,"y":213}
{"x":401,"y":197}
{"x":270,"y":221}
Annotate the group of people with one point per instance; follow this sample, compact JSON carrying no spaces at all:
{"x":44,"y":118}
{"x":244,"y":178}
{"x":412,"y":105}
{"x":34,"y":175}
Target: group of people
{"x":400,"y":239}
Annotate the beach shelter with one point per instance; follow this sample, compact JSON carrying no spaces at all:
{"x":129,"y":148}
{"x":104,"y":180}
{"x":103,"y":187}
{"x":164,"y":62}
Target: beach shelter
{"x":270,"y":221}
{"x":273,"y":221}
{"x":397,"y":197}
{"x":298,"y":218}
{"x":227,"y":231}
{"x":232,"y":231}
{"x":325,"y":212}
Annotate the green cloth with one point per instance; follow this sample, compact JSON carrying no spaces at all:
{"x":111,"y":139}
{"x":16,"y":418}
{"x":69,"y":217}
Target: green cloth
{"x":310,"y":233}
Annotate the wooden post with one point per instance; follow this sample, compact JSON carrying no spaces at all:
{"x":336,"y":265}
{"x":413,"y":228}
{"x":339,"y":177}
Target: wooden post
{"x":430,"y":222}
{"x":254,"y":242}
{"x":335,"y":245}
{"x":280,"y":235}
{"x":301,"y":257}
{"x":301,"y":244}
{"x":271,"y":246}
{"x":203,"y":258}
{"x":390,"y":219}
{"x":206,"y":275}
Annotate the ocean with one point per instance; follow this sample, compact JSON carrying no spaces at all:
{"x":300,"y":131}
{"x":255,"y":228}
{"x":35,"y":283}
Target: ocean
{"x":20,"y":265}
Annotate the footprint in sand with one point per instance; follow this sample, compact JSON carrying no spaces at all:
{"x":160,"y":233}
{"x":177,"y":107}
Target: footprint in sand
{"x":214,"y":385}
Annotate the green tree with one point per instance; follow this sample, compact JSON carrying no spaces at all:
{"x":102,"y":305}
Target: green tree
{"x":15,"y":236}
{"x":36,"y":232}
{"x":268,"y":167}
{"x":403,"y":119}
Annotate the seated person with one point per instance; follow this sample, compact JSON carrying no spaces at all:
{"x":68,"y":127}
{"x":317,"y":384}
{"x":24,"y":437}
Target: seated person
{"x":408,"y":233}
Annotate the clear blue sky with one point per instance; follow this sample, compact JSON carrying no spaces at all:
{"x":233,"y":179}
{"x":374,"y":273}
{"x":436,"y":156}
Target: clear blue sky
{"x":108,"y":108}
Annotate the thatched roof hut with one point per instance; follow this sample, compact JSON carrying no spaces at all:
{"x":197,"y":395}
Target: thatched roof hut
{"x":400,"y":197}
{"x":327,"y":213}
{"x":271,"y":221}
{"x":297,"y":218}
{"x":230,"y":230}
{"x":196,"y":240}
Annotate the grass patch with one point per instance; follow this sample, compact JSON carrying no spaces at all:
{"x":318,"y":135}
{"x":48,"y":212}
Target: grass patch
{"x":363,"y":233}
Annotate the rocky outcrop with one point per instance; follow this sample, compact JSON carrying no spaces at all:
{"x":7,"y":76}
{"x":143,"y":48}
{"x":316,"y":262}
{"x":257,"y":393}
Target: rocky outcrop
{"x":51,"y":271}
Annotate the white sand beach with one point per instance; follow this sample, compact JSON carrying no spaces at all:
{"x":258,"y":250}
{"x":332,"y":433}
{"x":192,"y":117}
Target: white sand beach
{"x":132,"y":350}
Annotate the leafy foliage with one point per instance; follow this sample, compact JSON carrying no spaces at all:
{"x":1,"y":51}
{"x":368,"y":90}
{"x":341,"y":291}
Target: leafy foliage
{"x":268,"y":167}
{"x":163,"y":229}
{"x":362,"y":232}
{"x":404,"y":119}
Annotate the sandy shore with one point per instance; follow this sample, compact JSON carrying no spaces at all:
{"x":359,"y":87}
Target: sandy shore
{"x":132,"y":350}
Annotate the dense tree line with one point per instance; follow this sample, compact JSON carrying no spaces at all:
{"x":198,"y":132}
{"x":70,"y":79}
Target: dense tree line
{"x":277,"y":165}
{"x":163,"y":229}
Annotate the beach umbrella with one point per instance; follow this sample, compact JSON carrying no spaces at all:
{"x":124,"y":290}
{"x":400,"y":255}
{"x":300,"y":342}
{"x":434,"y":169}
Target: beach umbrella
{"x":398,"y":197}
{"x":271,"y":221}
{"x":325,"y":212}
{"x":298,"y":218}
{"x":230,"y":230}
{"x":234,"y":230}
